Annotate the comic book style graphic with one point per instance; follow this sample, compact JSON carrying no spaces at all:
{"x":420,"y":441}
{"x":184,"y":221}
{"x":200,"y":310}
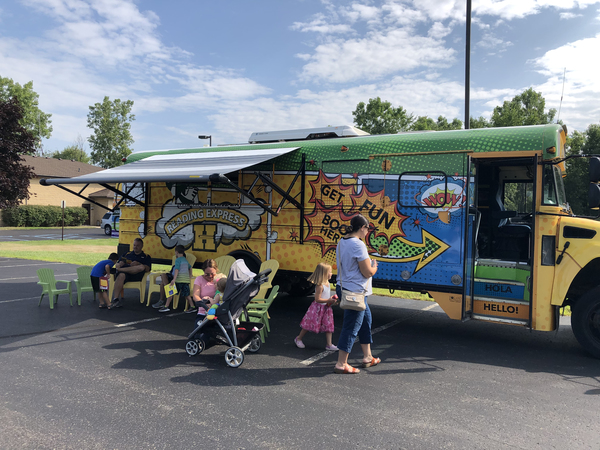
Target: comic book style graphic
{"x":416,"y":222}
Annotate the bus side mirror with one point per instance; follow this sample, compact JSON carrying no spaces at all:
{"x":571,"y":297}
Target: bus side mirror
{"x":594,"y":196}
{"x":594,"y":169}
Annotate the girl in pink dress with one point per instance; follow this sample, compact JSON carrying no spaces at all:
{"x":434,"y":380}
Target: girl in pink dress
{"x":319,"y":317}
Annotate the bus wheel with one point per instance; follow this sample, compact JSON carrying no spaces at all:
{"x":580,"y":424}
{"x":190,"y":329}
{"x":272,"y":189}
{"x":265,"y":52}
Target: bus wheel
{"x":585,"y":321}
{"x":302,"y":288}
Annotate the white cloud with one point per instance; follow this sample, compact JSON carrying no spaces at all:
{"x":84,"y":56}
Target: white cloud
{"x":568,"y":15}
{"x":320,"y":25}
{"x":376,"y":55}
{"x":580,"y":105}
{"x":518,"y":9}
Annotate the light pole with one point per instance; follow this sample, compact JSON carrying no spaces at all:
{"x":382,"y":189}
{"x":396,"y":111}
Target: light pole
{"x":468,"y":68}
{"x":209,"y":137}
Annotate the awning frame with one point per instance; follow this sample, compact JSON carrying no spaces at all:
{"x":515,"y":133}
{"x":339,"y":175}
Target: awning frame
{"x":214,"y":178}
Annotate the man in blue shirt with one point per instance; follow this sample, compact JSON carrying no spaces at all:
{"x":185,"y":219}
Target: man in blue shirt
{"x":131,"y":267}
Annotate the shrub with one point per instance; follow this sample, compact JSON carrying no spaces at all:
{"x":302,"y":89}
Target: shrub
{"x":53,"y":216}
{"x":14,"y":217}
{"x":43,"y":216}
{"x":75,"y":216}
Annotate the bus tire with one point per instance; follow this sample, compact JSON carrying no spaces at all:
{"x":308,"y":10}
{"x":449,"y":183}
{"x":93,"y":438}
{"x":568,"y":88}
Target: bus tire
{"x":585,"y":321}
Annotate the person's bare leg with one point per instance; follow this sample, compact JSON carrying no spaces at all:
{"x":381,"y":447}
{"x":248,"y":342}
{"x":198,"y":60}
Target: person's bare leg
{"x":366,"y":349}
{"x":163,"y":282}
{"x":328,"y":337}
{"x":119,"y":282}
{"x":342,"y":361}
{"x":302,"y":334}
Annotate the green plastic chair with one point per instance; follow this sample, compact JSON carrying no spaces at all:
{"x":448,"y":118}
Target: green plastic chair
{"x":258,"y":311}
{"x":84,"y":282}
{"x":48,"y":284}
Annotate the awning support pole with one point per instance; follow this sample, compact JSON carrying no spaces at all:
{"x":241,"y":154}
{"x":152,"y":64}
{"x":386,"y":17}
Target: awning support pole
{"x":85,"y":198}
{"x":123,"y":194}
{"x":303,"y":181}
{"x":146,"y":202}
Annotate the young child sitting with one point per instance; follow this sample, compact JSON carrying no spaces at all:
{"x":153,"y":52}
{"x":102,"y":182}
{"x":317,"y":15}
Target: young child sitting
{"x":221,"y":284}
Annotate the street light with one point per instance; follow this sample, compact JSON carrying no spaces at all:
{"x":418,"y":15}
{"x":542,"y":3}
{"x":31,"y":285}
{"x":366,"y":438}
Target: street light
{"x":209,"y":137}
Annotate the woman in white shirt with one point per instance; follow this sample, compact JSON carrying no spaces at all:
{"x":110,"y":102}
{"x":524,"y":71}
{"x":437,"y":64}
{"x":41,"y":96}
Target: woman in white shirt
{"x":355,"y":271}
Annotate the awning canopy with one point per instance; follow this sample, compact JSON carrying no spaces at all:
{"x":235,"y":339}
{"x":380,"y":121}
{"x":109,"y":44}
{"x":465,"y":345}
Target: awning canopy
{"x":182,"y":167}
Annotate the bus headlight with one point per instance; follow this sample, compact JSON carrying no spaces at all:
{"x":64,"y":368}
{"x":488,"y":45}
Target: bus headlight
{"x":548,"y":250}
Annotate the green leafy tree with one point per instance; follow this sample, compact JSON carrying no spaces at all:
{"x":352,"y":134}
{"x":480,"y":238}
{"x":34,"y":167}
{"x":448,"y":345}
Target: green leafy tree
{"x":577,"y":179}
{"x":442,"y":124}
{"x":15,"y":140}
{"x":480,"y":122}
{"x":33,"y":118}
{"x":380,"y":117}
{"x":527,"y":108}
{"x":74,"y":152}
{"x":111,"y":138}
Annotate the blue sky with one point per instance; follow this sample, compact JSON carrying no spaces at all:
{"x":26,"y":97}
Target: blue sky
{"x":233,"y":67}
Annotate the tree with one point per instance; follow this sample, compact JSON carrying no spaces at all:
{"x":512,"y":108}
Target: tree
{"x":33,"y":118}
{"x":15,"y":140}
{"x":526,"y":108}
{"x":442,"y":124}
{"x":74,"y":152}
{"x":110,"y":142}
{"x":480,"y":122}
{"x":577,"y":179}
{"x":379,"y":117}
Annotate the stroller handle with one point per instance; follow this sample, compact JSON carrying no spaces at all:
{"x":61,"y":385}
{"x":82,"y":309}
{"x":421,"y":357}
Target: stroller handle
{"x":261,"y":277}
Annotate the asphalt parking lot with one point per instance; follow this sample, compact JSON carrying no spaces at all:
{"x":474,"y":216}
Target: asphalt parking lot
{"x":80,"y":377}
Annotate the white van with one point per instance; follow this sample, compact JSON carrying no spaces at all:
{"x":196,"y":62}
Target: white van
{"x":108,"y":221}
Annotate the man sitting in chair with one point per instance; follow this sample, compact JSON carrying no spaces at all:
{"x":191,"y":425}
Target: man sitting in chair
{"x":131,"y":267}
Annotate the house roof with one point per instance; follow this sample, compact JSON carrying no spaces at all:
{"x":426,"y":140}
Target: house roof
{"x":44,"y":166}
{"x":102,"y":193}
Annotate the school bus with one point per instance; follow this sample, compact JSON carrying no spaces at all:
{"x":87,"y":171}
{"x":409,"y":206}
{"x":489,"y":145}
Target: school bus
{"x":478,"y":219}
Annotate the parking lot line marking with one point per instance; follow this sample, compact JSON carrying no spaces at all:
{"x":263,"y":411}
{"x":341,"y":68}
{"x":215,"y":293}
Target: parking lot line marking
{"x":29,"y":265}
{"x":19,"y":299}
{"x":309,"y":361}
{"x":147,"y":320}
{"x":35,"y":277}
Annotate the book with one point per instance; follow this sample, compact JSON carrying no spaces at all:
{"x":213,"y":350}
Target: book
{"x":104,"y":283}
{"x":170,"y":289}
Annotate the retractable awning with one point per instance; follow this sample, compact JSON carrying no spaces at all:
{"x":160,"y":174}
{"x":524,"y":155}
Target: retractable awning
{"x":191,"y":167}
{"x":182,"y":167}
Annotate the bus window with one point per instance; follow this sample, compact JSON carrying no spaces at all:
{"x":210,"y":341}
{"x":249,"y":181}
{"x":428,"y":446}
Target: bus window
{"x":518,"y":196}
{"x":554,"y":188}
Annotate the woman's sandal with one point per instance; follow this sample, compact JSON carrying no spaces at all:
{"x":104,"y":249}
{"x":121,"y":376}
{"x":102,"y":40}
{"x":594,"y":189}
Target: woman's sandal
{"x":103,"y":307}
{"x":348,"y":369}
{"x":373,"y":362}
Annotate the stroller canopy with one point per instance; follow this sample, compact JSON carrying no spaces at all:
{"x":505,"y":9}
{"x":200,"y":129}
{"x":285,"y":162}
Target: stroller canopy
{"x":240,"y":289}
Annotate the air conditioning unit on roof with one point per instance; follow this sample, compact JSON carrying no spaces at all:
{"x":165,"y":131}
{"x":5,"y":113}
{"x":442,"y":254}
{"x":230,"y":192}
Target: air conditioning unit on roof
{"x":265,"y":137}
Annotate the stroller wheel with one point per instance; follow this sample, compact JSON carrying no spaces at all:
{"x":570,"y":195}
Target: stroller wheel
{"x":194,"y":347}
{"x":234,"y":357}
{"x":255,"y":344}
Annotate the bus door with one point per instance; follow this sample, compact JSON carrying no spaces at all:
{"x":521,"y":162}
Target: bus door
{"x":473,"y":221}
{"x":502,"y":270}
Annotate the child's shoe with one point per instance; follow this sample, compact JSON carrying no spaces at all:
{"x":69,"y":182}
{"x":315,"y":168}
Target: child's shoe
{"x":164,"y":310}
{"x":299,"y":343}
{"x":331,"y":348}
